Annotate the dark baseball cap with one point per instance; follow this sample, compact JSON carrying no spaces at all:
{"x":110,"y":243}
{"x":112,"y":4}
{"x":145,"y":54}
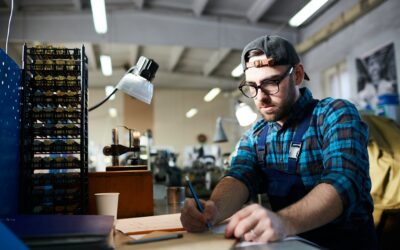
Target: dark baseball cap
{"x":278,"y":50}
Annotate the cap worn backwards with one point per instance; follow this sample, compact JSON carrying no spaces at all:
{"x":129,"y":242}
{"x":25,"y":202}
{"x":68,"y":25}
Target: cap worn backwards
{"x":278,"y":50}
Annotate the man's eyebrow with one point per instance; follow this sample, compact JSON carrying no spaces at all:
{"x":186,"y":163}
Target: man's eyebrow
{"x":274,"y":77}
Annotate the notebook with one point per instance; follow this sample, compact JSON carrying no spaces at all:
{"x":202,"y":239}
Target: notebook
{"x":63,"y":231}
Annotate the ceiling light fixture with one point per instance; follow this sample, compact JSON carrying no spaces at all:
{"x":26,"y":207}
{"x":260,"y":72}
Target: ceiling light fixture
{"x":106,"y":65}
{"x":237,"y":71}
{"x":192,"y":112}
{"x":212,"y":94}
{"x":220,"y":135}
{"x":99,"y":15}
{"x":306,"y":12}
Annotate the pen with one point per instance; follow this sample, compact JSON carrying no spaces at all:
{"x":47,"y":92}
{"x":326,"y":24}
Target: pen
{"x":196,"y":199}
{"x":154,"y":239}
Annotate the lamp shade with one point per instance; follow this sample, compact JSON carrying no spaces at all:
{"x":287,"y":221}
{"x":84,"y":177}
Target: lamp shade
{"x":136,"y":82}
{"x":244,"y":114}
{"x":219,"y":135}
{"x":136,"y":86}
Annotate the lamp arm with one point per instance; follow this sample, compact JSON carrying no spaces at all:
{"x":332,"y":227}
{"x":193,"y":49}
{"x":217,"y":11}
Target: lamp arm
{"x":103,"y":101}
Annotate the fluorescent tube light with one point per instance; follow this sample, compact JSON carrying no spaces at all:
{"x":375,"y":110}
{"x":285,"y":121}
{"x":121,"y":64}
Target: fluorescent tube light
{"x":192,"y":112}
{"x":212,"y":94}
{"x":99,"y":15}
{"x":106,"y":66}
{"x":306,"y":12}
{"x":237,"y":71}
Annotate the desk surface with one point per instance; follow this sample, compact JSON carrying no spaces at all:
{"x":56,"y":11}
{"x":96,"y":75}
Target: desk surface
{"x":203,"y":241}
{"x":193,"y":241}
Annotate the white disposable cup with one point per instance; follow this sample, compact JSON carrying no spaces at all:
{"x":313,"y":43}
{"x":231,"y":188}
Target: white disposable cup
{"x":107,"y":204}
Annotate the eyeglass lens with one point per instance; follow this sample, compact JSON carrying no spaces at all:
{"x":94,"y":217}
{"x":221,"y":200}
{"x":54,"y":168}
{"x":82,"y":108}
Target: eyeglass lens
{"x":269,"y":87}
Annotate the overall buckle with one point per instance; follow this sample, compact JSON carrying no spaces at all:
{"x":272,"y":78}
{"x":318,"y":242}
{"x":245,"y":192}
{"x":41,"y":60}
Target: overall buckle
{"x":294,"y":150}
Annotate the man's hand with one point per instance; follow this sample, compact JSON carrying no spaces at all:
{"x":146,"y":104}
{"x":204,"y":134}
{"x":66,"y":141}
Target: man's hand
{"x":255,"y":223}
{"x":195,"y":221}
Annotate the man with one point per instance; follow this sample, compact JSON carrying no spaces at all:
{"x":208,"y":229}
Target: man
{"x":309,"y":156}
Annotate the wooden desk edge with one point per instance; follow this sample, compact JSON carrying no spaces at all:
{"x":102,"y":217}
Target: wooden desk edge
{"x":154,"y":230}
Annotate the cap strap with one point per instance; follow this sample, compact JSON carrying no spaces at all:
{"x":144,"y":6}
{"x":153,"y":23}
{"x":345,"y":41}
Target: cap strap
{"x":260,"y":63}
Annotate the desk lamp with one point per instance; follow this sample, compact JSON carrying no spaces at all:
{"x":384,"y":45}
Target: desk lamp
{"x":136,"y":82}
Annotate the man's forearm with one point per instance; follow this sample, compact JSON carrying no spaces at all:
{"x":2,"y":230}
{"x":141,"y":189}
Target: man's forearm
{"x":319,"y":207}
{"x":229,"y":196}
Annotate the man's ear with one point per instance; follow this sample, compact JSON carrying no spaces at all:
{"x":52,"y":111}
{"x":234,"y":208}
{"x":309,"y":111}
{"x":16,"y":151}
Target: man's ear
{"x":298,"y":73}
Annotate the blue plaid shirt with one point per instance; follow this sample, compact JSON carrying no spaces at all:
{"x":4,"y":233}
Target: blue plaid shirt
{"x":334,"y":151}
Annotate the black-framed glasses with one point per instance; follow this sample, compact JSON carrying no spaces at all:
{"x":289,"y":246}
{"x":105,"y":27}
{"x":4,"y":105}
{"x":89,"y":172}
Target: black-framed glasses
{"x":268,"y":86}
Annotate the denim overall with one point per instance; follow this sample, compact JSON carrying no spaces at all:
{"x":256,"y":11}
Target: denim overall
{"x":285,"y":188}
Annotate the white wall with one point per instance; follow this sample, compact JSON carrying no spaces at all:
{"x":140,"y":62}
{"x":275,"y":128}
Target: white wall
{"x":173,"y":130}
{"x":378,"y":27}
{"x":100,"y":125}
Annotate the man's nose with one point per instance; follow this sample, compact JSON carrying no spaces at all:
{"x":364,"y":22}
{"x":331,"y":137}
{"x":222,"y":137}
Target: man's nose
{"x":262,"y":94}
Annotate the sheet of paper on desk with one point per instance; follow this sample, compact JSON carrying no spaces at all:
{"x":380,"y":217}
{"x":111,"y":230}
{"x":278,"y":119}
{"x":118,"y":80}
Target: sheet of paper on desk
{"x":143,"y":225}
{"x":292,"y":242}
{"x":219,"y":229}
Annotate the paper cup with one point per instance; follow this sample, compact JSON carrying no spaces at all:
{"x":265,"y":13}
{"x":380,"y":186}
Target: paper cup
{"x":107,"y":204}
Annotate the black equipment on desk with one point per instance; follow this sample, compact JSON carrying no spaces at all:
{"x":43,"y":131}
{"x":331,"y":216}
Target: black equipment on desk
{"x":116,"y":149}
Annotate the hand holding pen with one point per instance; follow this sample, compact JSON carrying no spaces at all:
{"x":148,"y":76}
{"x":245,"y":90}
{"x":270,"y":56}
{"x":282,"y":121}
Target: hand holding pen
{"x":196,"y":199}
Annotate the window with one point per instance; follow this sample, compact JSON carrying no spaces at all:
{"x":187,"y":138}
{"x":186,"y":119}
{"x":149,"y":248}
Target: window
{"x":337,"y":81}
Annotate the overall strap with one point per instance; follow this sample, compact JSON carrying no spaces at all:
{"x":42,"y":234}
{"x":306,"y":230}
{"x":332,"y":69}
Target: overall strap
{"x":295,"y":144}
{"x":261,"y":143}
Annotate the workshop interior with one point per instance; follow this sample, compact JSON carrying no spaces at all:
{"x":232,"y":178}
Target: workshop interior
{"x":132,"y":96}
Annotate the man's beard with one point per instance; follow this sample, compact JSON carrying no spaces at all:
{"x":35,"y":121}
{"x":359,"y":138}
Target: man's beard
{"x":284,"y":107}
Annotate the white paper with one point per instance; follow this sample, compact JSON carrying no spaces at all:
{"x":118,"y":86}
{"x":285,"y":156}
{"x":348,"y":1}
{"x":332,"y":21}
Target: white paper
{"x":219,"y":229}
{"x":150,"y":223}
{"x":297,"y":239}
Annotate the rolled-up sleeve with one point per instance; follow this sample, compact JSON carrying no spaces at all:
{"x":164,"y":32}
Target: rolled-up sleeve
{"x":345,"y":155}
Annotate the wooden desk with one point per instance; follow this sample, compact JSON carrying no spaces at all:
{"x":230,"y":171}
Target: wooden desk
{"x":210,"y":240}
{"x":135,"y":188}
